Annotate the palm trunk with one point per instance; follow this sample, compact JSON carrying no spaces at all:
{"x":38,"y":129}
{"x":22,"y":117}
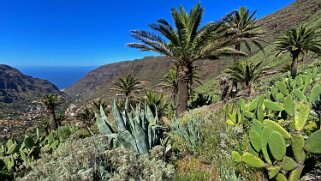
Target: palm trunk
{"x":234,"y":83}
{"x":53,"y":121}
{"x":224,"y":88}
{"x":184,"y":74}
{"x":294,"y":65}
{"x":237,"y":47}
{"x":247,"y":87}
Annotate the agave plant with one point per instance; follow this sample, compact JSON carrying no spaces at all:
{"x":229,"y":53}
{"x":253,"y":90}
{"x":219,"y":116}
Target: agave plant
{"x":190,"y":132}
{"x":138,"y":130}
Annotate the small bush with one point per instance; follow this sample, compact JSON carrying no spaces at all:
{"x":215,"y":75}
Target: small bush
{"x":214,"y":151}
{"x":87,"y":160}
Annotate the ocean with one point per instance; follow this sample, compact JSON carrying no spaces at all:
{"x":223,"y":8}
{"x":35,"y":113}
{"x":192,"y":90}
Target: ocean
{"x":62,"y":77}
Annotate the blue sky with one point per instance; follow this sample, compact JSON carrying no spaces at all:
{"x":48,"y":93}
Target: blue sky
{"x":92,"y":32}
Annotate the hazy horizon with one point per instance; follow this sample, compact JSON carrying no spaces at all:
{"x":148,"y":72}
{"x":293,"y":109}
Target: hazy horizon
{"x":62,"y":77}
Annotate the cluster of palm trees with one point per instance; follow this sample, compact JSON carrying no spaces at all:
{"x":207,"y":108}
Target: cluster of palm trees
{"x":187,"y":41}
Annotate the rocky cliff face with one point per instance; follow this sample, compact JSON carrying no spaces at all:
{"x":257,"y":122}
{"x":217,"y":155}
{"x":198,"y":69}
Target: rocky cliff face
{"x":15,"y":86}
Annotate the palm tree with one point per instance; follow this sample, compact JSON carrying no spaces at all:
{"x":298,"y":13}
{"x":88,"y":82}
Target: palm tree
{"x":170,"y":82}
{"x":127,"y":85}
{"x":87,"y":116}
{"x":244,"y":26}
{"x":155,"y":102}
{"x":245,"y":73}
{"x":96,"y":106}
{"x":195,"y":78}
{"x":51,"y":101}
{"x":185,"y":44}
{"x":297,"y":41}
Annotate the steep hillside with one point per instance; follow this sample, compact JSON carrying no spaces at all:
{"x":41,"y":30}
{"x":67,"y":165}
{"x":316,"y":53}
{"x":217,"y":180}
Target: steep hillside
{"x":15,"y":86}
{"x":17,"y":91}
{"x":292,"y":15}
{"x":151,"y":69}
{"x":148,"y":70}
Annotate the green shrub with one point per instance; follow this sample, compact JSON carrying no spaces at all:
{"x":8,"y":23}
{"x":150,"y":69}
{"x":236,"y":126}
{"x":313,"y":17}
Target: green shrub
{"x":214,"y":149}
{"x":281,"y":136}
{"x":128,"y":165}
{"x":72,"y":160}
{"x":87,"y":160}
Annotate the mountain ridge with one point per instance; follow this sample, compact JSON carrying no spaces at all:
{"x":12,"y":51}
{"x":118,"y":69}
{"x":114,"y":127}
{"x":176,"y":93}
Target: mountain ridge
{"x":18,"y":91}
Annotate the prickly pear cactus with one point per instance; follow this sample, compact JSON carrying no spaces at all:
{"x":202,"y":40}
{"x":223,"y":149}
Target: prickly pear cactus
{"x":278,"y":138}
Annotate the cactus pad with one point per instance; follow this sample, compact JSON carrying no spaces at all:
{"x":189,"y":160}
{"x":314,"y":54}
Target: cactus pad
{"x":301,"y":115}
{"x":277,"y":145}
{"x":273,"y":105}
{"x":288,"y":164}
{"x":252,"y":160}
{"x":297,"y":147}
{"x":236,"y":157}
{"x":278,"y":128}
{"x":313,"y":143}
{"x":255,"y":139}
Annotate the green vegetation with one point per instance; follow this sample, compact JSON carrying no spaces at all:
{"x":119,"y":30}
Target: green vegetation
{"x":243,"y":26}
{"x":137,"y":130}
{"x":16,"y":158}
{"x":51,"y":101}
{"x":188,"y":43}
{"x":127,"y":85}
{"x":298,"y":41}
{"x":280,"y":122}
{"x":245,"y":73}
{"x":272,"y":132}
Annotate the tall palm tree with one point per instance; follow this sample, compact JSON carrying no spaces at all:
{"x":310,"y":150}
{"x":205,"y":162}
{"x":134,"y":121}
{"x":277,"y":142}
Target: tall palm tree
{"x":51,"y":101}
{"x":245,"y":73}
{"x":185,"y":44}
{"x":297,"y":41}
{"x":243,"y":24}
{"x":127,"y":85}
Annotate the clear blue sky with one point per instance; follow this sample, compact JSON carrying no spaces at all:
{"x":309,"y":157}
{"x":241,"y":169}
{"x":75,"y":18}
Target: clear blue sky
{"x":92,"y":32}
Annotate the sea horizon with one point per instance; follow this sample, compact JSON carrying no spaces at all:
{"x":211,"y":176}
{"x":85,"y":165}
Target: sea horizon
{"x":61,"y":76}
